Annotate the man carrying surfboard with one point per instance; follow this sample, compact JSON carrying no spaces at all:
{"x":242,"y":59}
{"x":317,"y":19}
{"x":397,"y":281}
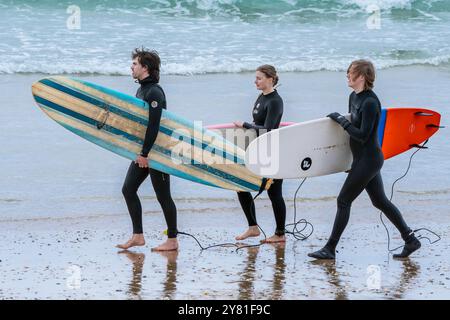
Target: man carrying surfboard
{"x":365,"y":109}
{"x":145,"y":69}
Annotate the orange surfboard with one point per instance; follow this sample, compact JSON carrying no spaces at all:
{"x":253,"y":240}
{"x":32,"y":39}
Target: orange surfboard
{"x":400,"y":129}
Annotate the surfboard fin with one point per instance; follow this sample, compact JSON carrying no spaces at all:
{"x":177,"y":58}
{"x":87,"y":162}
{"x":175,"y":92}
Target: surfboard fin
{"x":424,"y":114}
{"x":418,"y":146}
{"x":101,"y":122}
{"x":435,"y":126}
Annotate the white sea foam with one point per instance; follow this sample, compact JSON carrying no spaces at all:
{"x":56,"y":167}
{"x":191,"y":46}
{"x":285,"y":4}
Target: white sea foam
{"x":206,"y":66}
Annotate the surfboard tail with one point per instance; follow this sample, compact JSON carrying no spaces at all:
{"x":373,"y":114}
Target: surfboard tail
{"x":406,"y":128}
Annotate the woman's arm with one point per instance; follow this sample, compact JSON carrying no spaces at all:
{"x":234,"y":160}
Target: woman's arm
{"x":274,"y":112}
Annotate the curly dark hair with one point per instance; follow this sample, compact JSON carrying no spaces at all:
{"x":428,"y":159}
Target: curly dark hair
{"x":150,"y":59}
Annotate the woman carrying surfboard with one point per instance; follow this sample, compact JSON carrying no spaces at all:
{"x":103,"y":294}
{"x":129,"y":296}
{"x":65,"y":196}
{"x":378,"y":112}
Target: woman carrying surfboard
{"x":365,"y":109}
{"x":267,"y":113}
{"x":145,"y":69}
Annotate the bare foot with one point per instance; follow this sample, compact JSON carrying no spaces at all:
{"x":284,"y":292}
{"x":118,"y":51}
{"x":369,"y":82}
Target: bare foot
{"x":274,"y":239}
{"x":253,"y":231}
{"x":170,"y":245}
{"x":136,"y":240}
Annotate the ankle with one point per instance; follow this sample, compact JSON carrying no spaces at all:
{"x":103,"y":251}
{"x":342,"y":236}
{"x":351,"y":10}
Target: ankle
{"x":331,"y":245}
{"x":411,"y":239}
{"x":408,"y":236}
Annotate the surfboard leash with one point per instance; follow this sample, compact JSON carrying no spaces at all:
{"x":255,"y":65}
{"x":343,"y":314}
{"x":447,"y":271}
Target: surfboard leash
{"x":438,"y":238}
{"x":227,"y":244}
{"x":296,"y":232}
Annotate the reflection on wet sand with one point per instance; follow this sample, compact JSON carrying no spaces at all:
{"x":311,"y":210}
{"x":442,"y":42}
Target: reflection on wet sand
{"x":248,"y":275}
{"x":279,"y":272}
{"x":333,"y":278}
{"x":246,"y":284}
{"x":170,"y":282}
{"x":135,"y":285}
{"x":410,"y":271}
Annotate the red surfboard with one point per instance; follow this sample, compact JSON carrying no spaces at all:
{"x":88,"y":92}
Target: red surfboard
{"x":400,"y":129}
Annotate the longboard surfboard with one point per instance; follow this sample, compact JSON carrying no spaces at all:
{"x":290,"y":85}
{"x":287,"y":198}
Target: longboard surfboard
{"x":117,"y":122}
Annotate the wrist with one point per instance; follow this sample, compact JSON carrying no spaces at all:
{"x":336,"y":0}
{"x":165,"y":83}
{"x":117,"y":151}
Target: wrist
{"x":345,"y":123}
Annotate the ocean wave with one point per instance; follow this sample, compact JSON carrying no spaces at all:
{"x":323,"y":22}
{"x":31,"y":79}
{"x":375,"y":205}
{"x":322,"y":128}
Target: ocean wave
{"x":210,"y":66}
{"x":236,"y":8}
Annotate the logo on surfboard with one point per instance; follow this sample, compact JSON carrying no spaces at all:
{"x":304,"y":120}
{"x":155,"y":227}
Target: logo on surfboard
{"x":306,"y":164}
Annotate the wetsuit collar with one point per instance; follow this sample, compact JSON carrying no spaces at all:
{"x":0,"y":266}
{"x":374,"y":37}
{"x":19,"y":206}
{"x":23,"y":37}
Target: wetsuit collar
{"x":363,"y":92}
{"x":266,"y":95}
{"x":147,"y":80}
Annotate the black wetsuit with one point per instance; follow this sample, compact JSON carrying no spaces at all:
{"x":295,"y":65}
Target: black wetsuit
{"x":365,"y":109}
{"x":153,"y":94}
{"x":267,"y":113}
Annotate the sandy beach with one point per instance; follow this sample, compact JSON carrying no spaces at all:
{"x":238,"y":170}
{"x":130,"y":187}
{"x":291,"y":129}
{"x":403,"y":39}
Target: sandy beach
{"x":62,"y":212}
{"x":76,"y":259}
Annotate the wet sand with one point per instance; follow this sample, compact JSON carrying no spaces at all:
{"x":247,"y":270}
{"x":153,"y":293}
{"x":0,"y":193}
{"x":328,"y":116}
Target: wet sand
{"x":76,"y":259}
{"x":62,"y":213}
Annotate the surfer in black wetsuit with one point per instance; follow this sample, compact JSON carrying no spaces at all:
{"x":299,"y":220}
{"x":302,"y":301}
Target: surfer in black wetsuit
{"x":365,"y":109}
{"x":267,"y":113}
{"x":145,"y":70}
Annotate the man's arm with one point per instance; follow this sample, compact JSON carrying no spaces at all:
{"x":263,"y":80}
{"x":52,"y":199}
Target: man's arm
{"x":155,"y":99}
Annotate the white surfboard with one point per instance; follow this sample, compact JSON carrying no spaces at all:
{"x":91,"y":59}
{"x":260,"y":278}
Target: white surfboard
{"x":307,"y":149}
{"x":239,"y":136}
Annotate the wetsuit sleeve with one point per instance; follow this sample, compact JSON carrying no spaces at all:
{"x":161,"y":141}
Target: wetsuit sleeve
{"x":274,"y":113}
{"x":155,"y":99}
{"x":369,"y":114}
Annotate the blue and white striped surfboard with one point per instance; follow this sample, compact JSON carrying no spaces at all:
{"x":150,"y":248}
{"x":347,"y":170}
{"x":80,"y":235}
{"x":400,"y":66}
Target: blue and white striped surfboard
{"x":117,"y":122}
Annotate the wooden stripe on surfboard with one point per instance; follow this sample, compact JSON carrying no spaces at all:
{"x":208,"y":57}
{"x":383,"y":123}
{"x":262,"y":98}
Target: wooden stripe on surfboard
{"x":228,"y":179}
{"x":88,"y":110}
{"x":174,"y":122}
{"x":114,"y":140}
